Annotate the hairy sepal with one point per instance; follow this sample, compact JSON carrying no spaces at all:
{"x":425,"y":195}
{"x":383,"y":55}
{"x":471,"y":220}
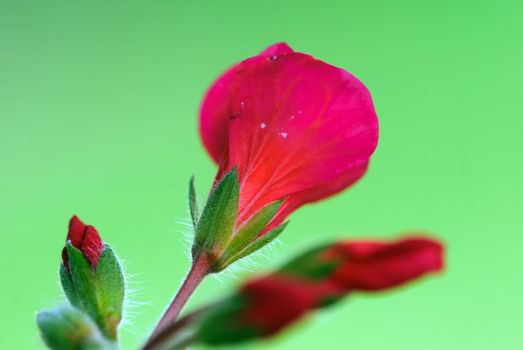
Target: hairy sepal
{"x":99,"y":293}
{"x":216,"y":223}
{"x":110,"y":290}
{"x":247,"y":234}
{"x":254,"y":246}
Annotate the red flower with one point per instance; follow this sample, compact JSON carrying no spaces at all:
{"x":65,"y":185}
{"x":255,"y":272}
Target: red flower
{"x":297,"y":128}
{"x":373,"y":265}
{"x":84,"y":238}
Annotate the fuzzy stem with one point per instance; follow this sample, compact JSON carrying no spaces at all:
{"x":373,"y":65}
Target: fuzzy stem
{"x":199,"y":269}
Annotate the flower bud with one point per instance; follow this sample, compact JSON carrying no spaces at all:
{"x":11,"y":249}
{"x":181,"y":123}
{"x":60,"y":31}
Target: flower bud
{"x":261,"y":308}
{"x":374,"y":265}
{"x":92,"y":277}
{"x":264,"y":306}
{"x":368,"y":265}
{"x":69,"y":328}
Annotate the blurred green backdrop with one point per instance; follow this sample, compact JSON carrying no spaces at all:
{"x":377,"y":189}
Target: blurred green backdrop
{"x":98,"y":105}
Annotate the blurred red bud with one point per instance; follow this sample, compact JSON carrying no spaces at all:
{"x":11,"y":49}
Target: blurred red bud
{"x":375,"y":265}
{"x":318,"y":278}
{"x":274,"y":302}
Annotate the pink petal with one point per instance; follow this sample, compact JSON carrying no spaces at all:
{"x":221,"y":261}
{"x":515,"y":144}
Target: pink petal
{"x":216,"y":107}
{"x":300,"y":128}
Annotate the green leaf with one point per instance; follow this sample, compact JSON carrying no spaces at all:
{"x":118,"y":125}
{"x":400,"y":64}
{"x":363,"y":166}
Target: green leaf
{"x":250,"y":230}
{"x":83,"y":278}
{"x":68,"y":328}
{"x":67,"y":285}
{"x":255,"y":246}
{"x":110,"y":290}
{"x":193,"y":203}
{"x":219,"y":215}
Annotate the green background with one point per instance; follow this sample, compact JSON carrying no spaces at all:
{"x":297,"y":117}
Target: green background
{"x":98,"y":105}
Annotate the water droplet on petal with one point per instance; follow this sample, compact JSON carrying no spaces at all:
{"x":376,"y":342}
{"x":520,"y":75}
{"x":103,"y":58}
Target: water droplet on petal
{"x":263,"y":125}
{"x":273,"y":58}
{"x":284,"y":134}
{"x":242,"y":104}
{"x":292,"y":117}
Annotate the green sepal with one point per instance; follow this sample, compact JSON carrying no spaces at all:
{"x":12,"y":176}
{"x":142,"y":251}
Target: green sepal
{"x":67,"y":285}
{"x":311,"y":265}
{"x":248,"y":232}
{"x":68,"y":328}
{"x":110,"y":290}
{"x":99,"y":293}
{"x":221,"y":325}
{"x":84,"y":282}
{"x":193,"y":203}
{"x":254,"y":246}
{"x":216,"y":223}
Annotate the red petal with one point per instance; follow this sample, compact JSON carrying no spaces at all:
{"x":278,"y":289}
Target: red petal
{"x":301,"y":129}
{"x":315,"y":194}
{"x":76,"y":231}
{"x":373,"y":265}
{"x":216,"y":107}
{"x":84,"y":238}
{"x":214,"y":114}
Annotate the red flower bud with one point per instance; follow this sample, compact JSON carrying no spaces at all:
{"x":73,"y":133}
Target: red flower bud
{"x":278,"y":299}
{"x":273,"y":302}
{"x":316,"y":279}
{"x":84,"y":238}
{"x":373,"y":265}
{"x":295,"y":127}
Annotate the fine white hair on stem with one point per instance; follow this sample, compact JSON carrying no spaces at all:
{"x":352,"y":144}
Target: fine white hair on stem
{"x":187,"y":235}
